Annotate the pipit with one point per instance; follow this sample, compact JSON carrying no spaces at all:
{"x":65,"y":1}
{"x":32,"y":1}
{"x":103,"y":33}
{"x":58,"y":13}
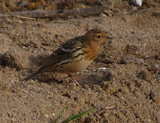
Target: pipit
{"x":74,"y":55}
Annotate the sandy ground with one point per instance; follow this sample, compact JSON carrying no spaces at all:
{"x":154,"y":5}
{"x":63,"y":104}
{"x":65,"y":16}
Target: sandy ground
{"x":129,"y":82}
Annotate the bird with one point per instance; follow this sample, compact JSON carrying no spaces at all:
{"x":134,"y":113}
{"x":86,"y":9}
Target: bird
{"x":74,"y":55}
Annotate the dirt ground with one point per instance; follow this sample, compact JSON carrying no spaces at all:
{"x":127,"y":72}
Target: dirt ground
{"x":123,"y":82}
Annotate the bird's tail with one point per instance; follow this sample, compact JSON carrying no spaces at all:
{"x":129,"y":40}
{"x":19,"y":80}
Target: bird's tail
{"x":31,"y":76}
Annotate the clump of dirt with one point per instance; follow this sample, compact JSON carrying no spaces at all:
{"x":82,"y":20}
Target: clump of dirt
{"x":14,"y":60}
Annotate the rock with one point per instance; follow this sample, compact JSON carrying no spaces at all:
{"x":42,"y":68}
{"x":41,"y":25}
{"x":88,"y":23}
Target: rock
{"x":31,"y":5}
{"x":156,"y":14}
{"x":142,"y":74}
{"x":135,"y":2}
{"x":131,"y":49}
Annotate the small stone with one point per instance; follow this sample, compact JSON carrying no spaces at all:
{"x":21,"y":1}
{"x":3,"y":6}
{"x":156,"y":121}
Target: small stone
{"x":23,"y":4}
{"x":81,"y":101}
{"x":135,"y":2}
{"x":142,"y":75}
{"x":156,"y":13}
{"x":111,"y":89}
{"x":131,"y":49}
{"x":86,"y":86}
{"x":97,"y":88}
{"x":31,"y":5}
{"x":152,"y":96}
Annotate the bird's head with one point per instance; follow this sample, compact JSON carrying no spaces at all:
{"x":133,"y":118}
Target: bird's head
{"x":95,"y":37}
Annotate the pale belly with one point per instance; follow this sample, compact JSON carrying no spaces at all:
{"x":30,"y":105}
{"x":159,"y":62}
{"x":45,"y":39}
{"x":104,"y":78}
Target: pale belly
{"x":77,"y":65}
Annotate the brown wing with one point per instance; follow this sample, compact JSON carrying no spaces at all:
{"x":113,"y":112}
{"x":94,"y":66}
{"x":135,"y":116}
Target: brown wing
{"x":64,"y":52}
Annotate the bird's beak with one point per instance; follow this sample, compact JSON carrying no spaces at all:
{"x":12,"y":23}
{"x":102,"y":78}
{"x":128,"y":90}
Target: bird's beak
{"x":109,"y":37}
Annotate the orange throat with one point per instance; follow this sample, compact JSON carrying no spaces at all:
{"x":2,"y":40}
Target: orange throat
{"x":90,"y":54}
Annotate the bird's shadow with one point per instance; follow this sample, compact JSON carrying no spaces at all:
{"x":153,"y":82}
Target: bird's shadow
{"x":94,"y":79}
{"x":50,"y":80}
{"x":35,"y":63}
{"x":38,"y":60}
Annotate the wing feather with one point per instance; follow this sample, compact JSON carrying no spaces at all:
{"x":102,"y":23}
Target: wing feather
{"x":64,"y":52}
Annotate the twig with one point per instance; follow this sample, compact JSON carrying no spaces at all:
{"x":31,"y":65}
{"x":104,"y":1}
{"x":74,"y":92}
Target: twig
{"x":107,"y":108}
{"x":22,"y":17}
{"x":61,"y":14}
{"x":101,"y":2}
{"x":112,"y":107}
{"x":7,"y":9}
{"x":11,"y":14}
{"x":5,"y":12}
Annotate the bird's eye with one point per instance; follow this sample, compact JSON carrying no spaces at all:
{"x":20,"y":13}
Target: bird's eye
{"x":99,"y":36}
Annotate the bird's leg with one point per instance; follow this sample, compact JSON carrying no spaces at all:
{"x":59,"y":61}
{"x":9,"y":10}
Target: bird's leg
{"x":73,"y":79}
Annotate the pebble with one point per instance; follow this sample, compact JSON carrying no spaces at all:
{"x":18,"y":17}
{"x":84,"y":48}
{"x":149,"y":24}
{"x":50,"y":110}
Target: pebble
{"x":135,"y":2}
